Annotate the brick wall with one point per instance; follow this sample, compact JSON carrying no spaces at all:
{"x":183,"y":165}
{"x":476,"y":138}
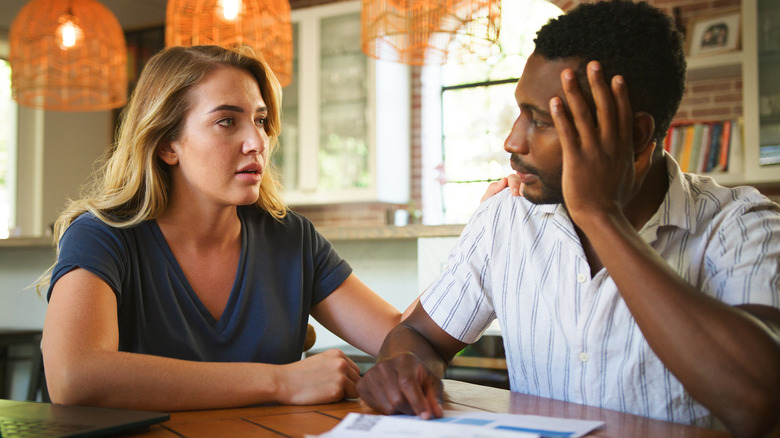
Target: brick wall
{"x":712,"y":99}
{"x":703,"y":99}
{"x":707,"y":99}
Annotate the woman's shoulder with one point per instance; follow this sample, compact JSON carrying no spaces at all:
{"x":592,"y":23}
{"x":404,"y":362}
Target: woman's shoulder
{"x":87,"y":228}
{"x":88,"y":222}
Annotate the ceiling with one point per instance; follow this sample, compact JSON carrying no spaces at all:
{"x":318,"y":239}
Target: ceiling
{"x":132,"y":14}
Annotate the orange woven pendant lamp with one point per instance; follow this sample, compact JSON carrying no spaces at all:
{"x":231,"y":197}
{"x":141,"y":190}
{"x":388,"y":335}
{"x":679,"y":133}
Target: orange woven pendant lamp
{"x":68,"y":55}
{"x":263,"y":25}
{"x":418,"y":32}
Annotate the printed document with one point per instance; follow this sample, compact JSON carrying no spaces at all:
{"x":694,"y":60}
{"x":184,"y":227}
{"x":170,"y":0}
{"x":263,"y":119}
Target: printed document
{"x":462,"y":425}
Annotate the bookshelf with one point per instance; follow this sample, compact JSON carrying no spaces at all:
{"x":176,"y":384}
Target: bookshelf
{"x":705,"y":146}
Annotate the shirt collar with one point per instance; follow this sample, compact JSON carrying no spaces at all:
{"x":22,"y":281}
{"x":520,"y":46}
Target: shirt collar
{"x":675,"y":210}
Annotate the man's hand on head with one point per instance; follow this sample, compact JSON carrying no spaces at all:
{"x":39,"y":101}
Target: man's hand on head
{"x":598,"y":153}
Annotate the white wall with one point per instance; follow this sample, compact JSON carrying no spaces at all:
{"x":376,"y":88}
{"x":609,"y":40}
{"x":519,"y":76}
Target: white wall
{"x":57,"y":153}
{"x":20,"y":305}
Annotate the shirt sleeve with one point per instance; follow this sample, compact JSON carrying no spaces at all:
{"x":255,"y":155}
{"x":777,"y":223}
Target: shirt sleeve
{"x":90,"y":244}
{"x":744,"y":262}
{"x":329,"y":269}
{"x":459,"y":301}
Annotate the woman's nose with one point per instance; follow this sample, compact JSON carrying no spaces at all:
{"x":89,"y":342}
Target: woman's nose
{"x":255,"y":142}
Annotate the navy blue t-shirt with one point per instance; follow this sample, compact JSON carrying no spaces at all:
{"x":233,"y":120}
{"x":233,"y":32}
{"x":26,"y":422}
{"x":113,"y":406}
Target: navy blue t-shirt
{"x":286,"y":267}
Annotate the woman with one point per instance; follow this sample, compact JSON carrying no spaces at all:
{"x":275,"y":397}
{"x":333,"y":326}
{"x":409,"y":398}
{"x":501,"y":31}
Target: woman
{"x":182,"y":281}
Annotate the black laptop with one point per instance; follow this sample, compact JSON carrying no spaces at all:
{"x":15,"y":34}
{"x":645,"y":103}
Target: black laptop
{"x":20,"y":419}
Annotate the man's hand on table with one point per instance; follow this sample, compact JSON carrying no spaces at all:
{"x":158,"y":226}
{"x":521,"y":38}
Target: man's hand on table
{"x":402,"y":384}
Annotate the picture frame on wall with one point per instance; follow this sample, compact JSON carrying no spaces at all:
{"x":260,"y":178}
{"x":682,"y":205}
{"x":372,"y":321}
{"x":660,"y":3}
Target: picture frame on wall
{"x":715,"y":33}
{"x":141,"y":45}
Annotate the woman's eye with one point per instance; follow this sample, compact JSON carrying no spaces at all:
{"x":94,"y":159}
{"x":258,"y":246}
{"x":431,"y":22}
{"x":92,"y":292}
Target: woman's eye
{"x":225,"y":122}
{"x":261,"y":121}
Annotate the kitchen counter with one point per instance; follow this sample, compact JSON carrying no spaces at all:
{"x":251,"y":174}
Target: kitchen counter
{"x":332,"y":233}
{"x":27,"y":242}
{"x":389,"y":232}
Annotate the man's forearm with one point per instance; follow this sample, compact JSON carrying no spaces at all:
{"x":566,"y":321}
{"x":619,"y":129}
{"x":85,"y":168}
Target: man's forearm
{"x":404,"y":339}
{"x":701,"y":340}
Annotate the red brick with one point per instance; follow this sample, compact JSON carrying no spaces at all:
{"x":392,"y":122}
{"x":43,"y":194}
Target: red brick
{"x":728,"y":98}
{"x":711,"y":113}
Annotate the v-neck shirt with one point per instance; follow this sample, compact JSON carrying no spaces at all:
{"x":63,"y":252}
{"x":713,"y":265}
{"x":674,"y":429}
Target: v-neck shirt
{"x":285,"y":268}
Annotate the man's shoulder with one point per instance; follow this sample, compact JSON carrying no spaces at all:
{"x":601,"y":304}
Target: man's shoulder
{"x":698,"y":202}
{"x":504,"y":201}
{"x":705,"y":191}
{"x":504,"y":217}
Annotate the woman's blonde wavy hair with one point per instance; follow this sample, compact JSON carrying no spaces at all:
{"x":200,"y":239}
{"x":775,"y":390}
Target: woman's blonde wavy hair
{"x":132,"y":185}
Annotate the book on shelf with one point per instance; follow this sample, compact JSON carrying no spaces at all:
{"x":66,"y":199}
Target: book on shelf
{"x":704,"y":146}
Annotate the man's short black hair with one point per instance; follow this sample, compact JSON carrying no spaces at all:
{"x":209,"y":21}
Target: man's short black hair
{"x":636,"y":40}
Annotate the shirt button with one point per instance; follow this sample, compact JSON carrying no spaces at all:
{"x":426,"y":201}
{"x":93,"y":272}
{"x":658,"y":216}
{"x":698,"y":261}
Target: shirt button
{"x":584,"y":357}
{"x":581,"y":278}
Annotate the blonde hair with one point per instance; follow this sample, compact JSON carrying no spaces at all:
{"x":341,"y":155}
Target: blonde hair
{"x":132,"y":185}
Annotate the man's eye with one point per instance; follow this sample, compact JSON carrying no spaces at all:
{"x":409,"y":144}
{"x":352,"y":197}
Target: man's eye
{"x":540,"y":123}
{"x":225,"y":122}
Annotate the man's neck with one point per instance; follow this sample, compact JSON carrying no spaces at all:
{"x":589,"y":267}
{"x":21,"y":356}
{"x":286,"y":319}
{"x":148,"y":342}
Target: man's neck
{"x":638,"y":211}
{"x":650,"y":195}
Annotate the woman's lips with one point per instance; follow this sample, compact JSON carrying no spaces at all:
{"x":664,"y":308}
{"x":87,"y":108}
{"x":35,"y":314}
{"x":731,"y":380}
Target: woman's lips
{"x":252,"y":177}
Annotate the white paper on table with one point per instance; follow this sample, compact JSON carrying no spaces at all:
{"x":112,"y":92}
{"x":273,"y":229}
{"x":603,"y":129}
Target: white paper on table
{"x":462,"y":425}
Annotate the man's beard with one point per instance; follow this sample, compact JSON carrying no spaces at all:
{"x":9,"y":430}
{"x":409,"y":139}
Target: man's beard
{"x":552,"y":191}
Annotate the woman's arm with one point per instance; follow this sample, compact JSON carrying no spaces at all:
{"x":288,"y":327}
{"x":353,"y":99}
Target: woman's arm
{"x":357,"y":314}
{"x":84,"y":367}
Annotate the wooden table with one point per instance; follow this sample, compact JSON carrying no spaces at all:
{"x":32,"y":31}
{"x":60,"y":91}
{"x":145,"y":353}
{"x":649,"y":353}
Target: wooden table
{"x":295,"y":421}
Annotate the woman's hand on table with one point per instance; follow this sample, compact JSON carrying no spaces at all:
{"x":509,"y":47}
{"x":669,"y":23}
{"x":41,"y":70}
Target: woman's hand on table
{"x":322,"y":378}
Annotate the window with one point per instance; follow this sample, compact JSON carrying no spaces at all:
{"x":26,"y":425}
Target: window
{"x":477,"y":110}
{"x":7,"y":151}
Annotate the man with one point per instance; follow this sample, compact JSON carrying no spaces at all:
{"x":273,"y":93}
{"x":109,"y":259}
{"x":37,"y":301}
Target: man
{"x":618,"y":281}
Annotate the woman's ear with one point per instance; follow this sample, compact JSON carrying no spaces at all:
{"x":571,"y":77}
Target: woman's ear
{"x":167,"y":153}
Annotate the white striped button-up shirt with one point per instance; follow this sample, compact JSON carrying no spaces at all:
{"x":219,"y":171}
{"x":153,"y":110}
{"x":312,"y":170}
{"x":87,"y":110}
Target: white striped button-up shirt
{"x":570,"y":336}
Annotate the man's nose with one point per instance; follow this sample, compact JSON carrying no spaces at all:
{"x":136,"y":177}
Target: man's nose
{"x":516,"y":142}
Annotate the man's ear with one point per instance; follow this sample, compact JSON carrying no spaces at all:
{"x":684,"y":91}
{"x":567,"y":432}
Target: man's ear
{"x":644,"y":128}
{"x":644,"y":143}
{"x":167,"y":153}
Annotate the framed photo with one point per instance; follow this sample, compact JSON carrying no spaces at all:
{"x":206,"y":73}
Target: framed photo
{"x":141,"y":45}
{"x":714,"y":33}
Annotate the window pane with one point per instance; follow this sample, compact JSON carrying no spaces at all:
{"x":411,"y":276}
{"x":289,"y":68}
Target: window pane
{"x":7,"y":149}
{"x":457,"y":211}
{"x":478,"y":110}
{"x":286,"y":157}
{"x":474,"y":139}
{"x":343,"y":158}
